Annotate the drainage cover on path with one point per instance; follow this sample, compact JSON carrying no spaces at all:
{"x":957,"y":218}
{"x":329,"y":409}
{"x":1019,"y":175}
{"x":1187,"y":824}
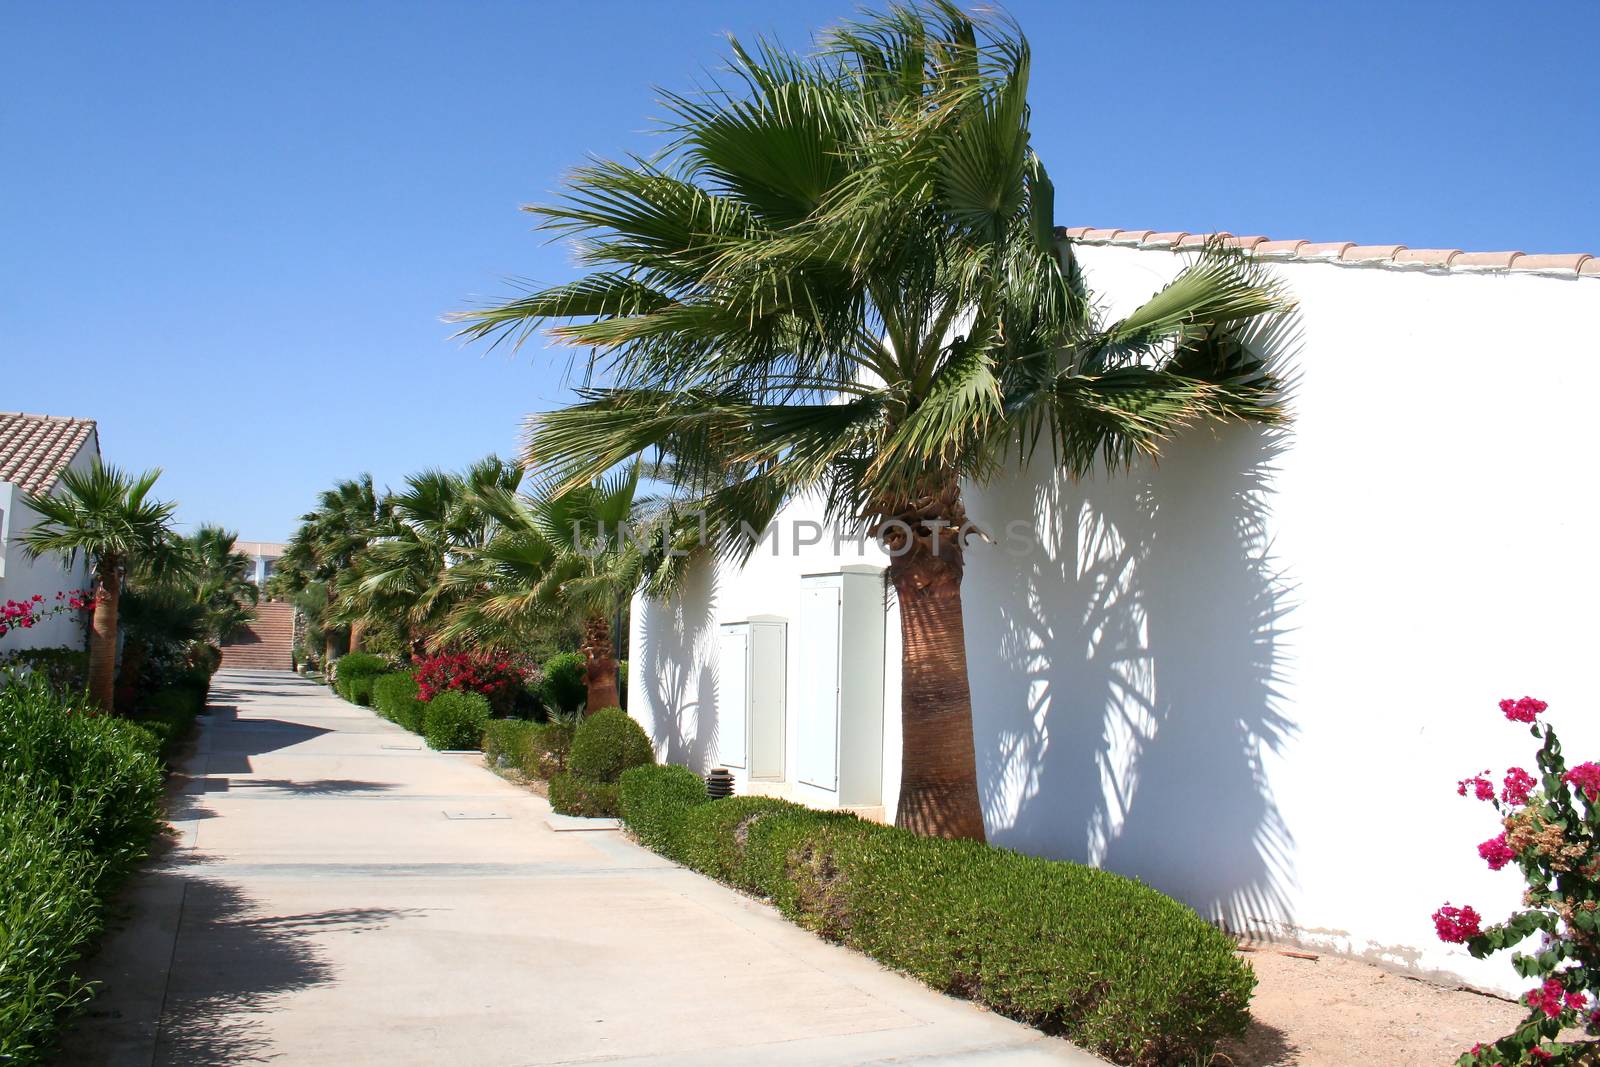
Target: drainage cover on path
{"x":565,"y":823}
{"x":482,"y":813}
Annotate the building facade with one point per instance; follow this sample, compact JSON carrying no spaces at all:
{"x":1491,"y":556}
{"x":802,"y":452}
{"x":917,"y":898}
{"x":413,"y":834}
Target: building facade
{"x":1251,"y":674}
{"x":35,"y":450}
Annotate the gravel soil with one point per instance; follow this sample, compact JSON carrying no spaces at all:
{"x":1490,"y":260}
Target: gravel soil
{"x":1335,"y":1011}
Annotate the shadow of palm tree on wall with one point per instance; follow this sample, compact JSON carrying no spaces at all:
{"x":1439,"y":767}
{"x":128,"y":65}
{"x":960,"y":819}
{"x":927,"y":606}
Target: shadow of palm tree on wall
{"x":1131,"y":663}
{"x":677,"y":666}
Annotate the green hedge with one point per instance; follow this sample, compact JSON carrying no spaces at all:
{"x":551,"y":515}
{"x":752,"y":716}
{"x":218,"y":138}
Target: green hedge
{"x":394,"y":696}
{"x":354,"y":675}
{"x":536,"y":749}
{"x":563,"y":687}
{"x":574,"y":795}
{"x":80,"y":799}
{"x":169,"y":714}
{"x":455,"y":719}
{"x":1101,"y":959}
{"x":604,"y":745}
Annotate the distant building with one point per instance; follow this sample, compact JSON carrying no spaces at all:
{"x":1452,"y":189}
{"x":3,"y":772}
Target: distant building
{"x":265,"y":555}
{"x":35,"y":451}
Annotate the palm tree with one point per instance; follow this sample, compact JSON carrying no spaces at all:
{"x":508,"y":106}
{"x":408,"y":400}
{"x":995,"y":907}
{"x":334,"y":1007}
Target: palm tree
{"x":399,"y":579}
{"x":221,"y":581}
{"x":841,"y":276}
{"x":555,"y":562}
{"x":330,"y":539}
{"x":109,"y":517}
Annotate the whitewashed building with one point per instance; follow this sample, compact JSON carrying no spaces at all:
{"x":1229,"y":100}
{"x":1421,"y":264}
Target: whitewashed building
{"x":1251,"y":675}
{"x":35,"y":450}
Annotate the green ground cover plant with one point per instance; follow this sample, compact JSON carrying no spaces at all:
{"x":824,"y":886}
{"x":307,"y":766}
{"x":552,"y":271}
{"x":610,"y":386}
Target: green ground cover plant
{"x":1100,"y":959}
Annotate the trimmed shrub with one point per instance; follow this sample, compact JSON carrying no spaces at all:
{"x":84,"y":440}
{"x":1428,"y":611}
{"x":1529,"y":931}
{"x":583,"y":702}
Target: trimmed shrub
{"x":607,"y":743}
{"x":394,"y":696}
{"x":604,"y":745}
{"x":563,"y":688}
{"x":354,"y":674}
{"x":1101,"y":959}
{"x":507,"y":742}
{"x":80,"y":799}
{"x":574,"y":795}
{"x":455,"y":720}
{"x":652,"y":799}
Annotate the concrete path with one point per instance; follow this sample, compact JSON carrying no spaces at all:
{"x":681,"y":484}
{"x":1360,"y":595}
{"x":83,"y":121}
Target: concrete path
{"x":341,"y":895}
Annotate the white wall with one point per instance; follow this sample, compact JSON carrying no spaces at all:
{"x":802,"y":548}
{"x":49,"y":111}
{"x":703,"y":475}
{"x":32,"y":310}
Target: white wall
{"x":45,"y":576}
{"x":1252,"y":674}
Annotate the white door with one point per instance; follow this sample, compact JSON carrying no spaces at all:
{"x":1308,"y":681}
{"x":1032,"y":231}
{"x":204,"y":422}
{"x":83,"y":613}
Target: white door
{"x":733,"y":695}
{"x":817,"y":722}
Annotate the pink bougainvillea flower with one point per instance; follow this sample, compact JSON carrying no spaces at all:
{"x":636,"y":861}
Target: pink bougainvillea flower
{"x":1482,"y":788}
{"x":1457,"y":925}
{"x":1586,"y":777}
{"x":1539,"y":1055}
{"x":1525,"y":710}
{"x":1548,"y":998}
{"x":1496,"y":852}
{"x":1518,"y":784}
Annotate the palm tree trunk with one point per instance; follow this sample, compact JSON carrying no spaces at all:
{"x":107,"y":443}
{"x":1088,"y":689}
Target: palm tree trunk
{"x":103,"y":634}
{"x":358,"y":630}
{"x":939,"y":775}
{"x":600,"y":665}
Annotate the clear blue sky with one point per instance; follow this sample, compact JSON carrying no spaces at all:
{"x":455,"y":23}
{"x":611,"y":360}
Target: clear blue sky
{"x":229,"y":231}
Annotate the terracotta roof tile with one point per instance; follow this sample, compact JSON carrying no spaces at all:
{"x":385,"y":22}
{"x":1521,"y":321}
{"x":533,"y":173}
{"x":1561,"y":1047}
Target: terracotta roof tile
{"x":1569,"y":263}
{"x":1484,"y":260}
{"x":1426,"y":257}
{"x":1579,"y":264}
{"x":1325,"y":249}
{"x":1198,"y":240}
{"x":35,"y":449}
{"x":1371,"y":253}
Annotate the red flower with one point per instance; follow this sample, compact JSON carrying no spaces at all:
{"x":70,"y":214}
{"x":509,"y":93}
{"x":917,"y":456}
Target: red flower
{"x":1586,"y":776}
{"x":1518,"y":784}
{"x":1525,"y":710}
{"x":1482,"y":788}
{"x":1548,"y":998}
{"x":1457,"y":925}
{"x":1497,"y":852}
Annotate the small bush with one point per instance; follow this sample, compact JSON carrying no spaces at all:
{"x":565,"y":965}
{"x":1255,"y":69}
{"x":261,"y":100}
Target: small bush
{"x":497,"y":679}
{"x":506,"y":742}
{"x":563,"y":688}
{"x":455,"y":720}
{"x":66,"y":669}
{"x":1109,"y":963}
{"x":607,"y":743}
{"x":354,"y":674}
{"x":394,"y":696}
{"x":571,"y":794}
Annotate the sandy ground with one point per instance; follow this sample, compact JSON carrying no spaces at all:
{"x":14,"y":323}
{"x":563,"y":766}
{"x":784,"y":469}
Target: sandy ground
{"x":1333,"y":1011}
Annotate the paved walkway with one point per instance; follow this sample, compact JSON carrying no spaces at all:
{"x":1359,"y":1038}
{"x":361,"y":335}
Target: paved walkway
{"x":341,"y":895}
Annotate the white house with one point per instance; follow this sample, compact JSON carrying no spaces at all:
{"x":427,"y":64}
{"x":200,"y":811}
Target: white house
{"x":1250,"y":675}
{"x":35,"y":450}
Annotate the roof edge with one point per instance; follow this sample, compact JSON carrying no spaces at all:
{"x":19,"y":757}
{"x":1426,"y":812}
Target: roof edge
{"x":1396,"y":257}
